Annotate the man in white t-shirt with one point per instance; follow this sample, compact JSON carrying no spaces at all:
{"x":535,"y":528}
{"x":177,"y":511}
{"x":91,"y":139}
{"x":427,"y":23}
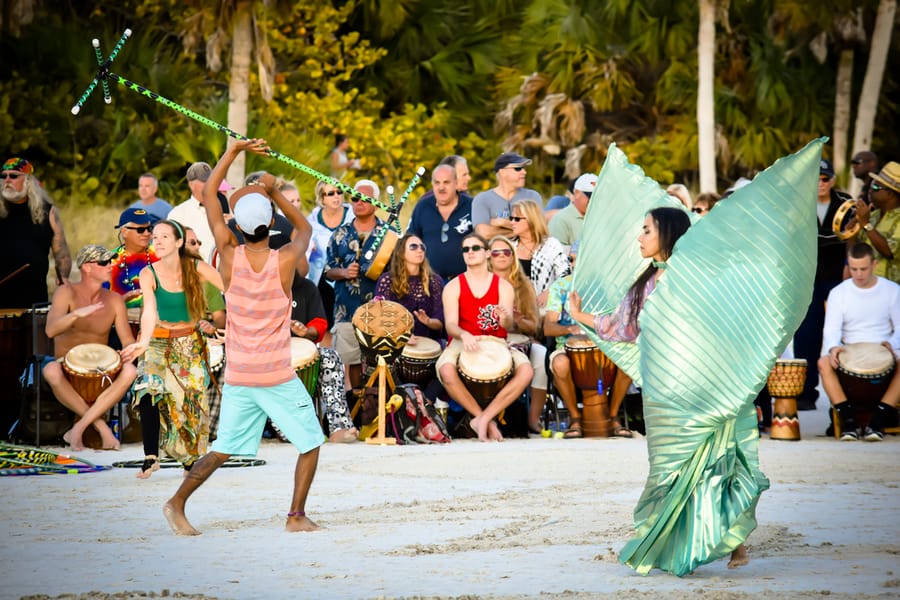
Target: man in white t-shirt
{"x":192,"y":213}
{"x":864,"y":308}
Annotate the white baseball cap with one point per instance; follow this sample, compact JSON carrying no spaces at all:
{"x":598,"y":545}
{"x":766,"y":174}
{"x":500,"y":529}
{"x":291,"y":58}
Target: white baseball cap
{"x":251,"y":211}
{"x":586,"y":183}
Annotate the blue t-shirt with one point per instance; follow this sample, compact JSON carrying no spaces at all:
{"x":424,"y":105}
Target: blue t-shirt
{"x":159,"y":208}
{"x":442,"y":244}
{"x":557,"y":203}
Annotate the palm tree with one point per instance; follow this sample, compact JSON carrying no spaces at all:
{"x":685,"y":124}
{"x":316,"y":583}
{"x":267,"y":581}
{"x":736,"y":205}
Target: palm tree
{"x":706,"y":117}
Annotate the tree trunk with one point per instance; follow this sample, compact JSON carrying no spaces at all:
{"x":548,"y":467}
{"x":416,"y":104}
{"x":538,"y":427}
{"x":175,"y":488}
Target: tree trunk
{"x":871,"y":90}
{"x":842,"y":108}
{"x":239,"y":87}
{"x":706,"y":117}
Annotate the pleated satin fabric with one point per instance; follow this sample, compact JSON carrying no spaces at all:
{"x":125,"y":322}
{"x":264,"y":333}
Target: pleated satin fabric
{"x":734,"y":291}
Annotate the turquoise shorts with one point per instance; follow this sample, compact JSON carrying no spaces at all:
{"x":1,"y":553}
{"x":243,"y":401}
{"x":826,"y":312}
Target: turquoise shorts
{"x":244,"y":411}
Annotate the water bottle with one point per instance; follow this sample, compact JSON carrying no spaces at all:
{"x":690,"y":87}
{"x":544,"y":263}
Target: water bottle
{"x":114,"y":425}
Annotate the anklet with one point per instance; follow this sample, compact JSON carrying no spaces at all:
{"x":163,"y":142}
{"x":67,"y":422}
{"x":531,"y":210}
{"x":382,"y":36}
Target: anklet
{"x":298,"y":513}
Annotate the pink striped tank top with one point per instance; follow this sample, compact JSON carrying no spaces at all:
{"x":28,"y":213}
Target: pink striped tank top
{"x":258,"y":325}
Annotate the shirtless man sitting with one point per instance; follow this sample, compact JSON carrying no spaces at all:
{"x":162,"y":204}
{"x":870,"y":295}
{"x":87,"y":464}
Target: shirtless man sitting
{"x":83,"y":313}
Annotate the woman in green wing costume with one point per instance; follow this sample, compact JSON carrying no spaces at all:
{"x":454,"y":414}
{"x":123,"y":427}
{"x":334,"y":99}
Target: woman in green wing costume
{"x":734,"y":291}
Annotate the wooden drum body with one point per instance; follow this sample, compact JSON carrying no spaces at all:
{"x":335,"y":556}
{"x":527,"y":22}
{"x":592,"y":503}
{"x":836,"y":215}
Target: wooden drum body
{"x":305,"y":361}
{"x":785,"y":383}
{"x":382,"y":329}
{"x":416,"y":363}
{"x":589,"y":366}
{"x":377,"y":257}
{"x":865,"y":372}
{"x":91,"y":368}
{"x":485,"y":371}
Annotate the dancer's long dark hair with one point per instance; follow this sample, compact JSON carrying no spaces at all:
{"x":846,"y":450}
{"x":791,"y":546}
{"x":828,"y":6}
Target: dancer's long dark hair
{"x":671,"y":223}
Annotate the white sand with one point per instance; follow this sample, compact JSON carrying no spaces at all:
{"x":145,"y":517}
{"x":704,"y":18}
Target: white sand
{"x":510,"y":520}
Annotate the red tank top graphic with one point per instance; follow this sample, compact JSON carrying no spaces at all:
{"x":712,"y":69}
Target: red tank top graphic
{"x":480,"y":316}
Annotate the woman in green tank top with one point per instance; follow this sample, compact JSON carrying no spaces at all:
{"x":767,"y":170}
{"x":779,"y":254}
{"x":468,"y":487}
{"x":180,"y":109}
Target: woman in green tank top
{"x":173,"y":366}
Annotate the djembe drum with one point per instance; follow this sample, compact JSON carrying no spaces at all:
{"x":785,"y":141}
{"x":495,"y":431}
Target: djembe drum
{"x":90,"y":369}
{"x":865,"y":371}
{"x":382,"y":329}
{"x":785,"y":383}
{"x":305,"y":361}
{"x":591,"y":367}
{"x":416,"y":363}
{"x":485,"y":371}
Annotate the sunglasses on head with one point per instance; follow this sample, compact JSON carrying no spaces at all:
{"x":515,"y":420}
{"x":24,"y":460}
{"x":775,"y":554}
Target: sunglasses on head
{"x":475,"y":248}
{"x":332,"y":193}
{"x":415,"y":246}
{"x":12,"y":176}
{"x":699,"y":210}
{"x":143,"y":229}
{"x":501,"y":252}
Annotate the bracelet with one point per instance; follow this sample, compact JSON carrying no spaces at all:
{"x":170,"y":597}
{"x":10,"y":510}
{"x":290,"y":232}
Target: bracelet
{"x":298,"y":513}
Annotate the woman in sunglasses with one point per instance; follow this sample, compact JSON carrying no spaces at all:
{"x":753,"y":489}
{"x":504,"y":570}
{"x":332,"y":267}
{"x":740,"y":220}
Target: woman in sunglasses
{"x":173,"y":366}
{"x":411,"y":282}
{"x":543,"y":258}
{"x":330,"y":213}
{"x":526,"y":320}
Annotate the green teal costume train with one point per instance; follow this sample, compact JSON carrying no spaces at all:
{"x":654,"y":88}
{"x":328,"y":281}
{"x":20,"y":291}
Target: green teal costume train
{"x":734,"y":291}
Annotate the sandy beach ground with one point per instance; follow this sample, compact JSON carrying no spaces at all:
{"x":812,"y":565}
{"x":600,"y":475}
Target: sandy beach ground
{"x":522,"y":518}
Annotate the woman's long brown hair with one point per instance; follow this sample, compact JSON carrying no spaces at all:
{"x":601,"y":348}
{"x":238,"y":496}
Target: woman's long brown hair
{"x":190,"y":277}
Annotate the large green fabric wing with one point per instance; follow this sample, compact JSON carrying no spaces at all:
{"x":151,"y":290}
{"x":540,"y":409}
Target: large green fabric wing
{"x":737,"y":287}
{"x":609,"y":258}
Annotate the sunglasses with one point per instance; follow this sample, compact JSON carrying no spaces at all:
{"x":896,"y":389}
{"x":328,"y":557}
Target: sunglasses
{"x":824,"y":178}
{"x":333,"y":193}
{"x":194,"y":242}
{"x":139,"y":230}
{"x":516,"y":219}
{"x":415,"y":246}
{"x":102,"y":263}
{"x":572,"y":260}
{"x":856,"y":161}
{"x":444,"y":229}
{"x":516,"y":169}
{"x":699,"y":210}
{"x":876,"y":186}
{"x":355,"y":200}
{"x":12,"y":176}
{"x":501,"y":252}
{"x":475,"y":248}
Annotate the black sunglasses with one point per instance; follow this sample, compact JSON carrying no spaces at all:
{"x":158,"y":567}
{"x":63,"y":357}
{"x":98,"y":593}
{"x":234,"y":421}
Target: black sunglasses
{"x":516,"y":169}
{"x":332,"y":193}
{"x":475,"y":248}
{"x":102,"y":263}
{"x":143,"y":229}
{"x":876,"y":186}
{"x":516,"y":219}
{"x":699,"y":210}
{"x":12,"y":176}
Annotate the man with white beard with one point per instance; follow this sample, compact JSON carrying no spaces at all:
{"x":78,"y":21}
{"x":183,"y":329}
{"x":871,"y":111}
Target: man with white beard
{"x":30,"y":228}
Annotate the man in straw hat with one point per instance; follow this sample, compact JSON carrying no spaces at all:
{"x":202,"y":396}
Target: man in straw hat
{"x":83,"y":313}
{"x":883,"y":234}
{"x":259,"y":380}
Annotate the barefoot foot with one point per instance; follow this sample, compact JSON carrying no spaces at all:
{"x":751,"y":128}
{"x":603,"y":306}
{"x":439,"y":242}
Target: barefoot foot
{"x":73,"y":439}
{"x":480,"y":426}
{"x":494,"y":432}
{"x":177,"y":520}
{"x":300,"y":524}
{"x":739,"y":557}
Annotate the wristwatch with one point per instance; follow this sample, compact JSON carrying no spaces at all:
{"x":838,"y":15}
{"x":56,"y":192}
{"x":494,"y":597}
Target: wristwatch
{"x":868,"y":227}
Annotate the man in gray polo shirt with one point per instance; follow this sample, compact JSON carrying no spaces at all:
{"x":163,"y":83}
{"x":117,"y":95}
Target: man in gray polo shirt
{"x":490,"y":209}
{"x":566,"y":224}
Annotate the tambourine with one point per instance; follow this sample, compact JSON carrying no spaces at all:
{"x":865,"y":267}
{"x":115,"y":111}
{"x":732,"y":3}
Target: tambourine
{"x":845,"y":225}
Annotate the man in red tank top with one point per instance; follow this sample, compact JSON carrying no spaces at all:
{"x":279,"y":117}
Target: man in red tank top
{"x":259,"y":380}
{"x":478,"y":303}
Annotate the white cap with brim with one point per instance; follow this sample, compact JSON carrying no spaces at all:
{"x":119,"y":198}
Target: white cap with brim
{"x":251,"y":211}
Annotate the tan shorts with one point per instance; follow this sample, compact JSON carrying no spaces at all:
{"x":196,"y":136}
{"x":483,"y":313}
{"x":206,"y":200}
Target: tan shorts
{"x":345,"y":343}
{"x":450,"y":356}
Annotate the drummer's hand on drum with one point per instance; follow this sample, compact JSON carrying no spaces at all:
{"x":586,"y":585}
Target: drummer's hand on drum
{"x":863,"y":211}
{"x":298,"y":329}
{"x":412,"y":341}
{"x":470,"y":342}
{"x":833,"y":356}
{"x":352,"y":272}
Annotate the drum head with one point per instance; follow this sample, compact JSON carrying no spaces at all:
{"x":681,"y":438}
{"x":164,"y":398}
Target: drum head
{"x":303,"y":352}
{"x":790,"y":362}
{"x":517,"y":339}
{"x":579,"y":342}
{"x":866,"y":358}
{"x":424,"y":348}
{"x":491,"y":361}
{"x":91,"y":358}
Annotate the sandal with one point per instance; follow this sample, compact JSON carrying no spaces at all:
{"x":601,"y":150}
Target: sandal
{"x":574,"y":431}
{"x":620,"y":431}
{"x":150,"y":464}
